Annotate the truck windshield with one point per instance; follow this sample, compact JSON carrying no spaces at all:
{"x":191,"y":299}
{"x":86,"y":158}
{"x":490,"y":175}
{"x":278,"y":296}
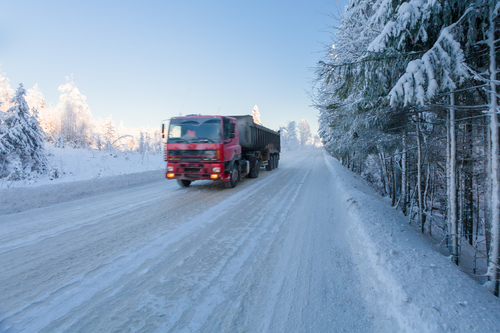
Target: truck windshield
{"x":194,"y":130}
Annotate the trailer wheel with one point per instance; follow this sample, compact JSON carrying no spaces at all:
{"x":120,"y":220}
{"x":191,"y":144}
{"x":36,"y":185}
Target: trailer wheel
{"x":254,"y":168}
{"x":234,"y":177}
{"x":184,"y":182}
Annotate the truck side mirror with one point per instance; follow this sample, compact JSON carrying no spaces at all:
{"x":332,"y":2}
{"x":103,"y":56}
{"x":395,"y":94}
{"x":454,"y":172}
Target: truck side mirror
{"x":232,"y":127}
{"x":163,"y":131}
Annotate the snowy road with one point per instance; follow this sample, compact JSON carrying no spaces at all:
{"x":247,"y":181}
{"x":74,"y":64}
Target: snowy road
{"x":271,"y":255}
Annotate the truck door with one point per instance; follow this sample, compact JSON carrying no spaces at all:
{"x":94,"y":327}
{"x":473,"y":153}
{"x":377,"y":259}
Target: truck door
{"x":231,"y":144}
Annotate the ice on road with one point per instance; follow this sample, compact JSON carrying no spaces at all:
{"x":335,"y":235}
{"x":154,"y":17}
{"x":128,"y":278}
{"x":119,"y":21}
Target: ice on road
{"x":274,"y":254}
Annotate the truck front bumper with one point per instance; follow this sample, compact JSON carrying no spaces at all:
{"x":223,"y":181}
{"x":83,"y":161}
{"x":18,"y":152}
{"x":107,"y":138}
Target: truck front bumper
{"x":195,"y":171}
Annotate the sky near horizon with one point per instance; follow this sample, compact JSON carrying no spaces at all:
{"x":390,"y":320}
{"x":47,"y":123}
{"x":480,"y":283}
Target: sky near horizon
{"x":143,"y":62}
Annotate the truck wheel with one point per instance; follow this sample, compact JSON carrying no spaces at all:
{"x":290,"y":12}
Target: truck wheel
{"x":234,"y":177}
{"x":184,"y":182}
{"x":254,"y":168}
{"x":269,"y":165}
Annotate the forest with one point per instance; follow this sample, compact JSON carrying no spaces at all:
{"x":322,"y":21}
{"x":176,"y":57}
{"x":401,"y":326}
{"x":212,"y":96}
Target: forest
{"x":407,"y":93}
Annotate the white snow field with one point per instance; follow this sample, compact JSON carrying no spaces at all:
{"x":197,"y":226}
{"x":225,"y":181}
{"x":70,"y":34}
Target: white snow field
{"x":308,"y":247}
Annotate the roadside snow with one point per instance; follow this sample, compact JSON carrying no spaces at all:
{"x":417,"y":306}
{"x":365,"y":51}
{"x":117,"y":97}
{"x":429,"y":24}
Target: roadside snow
{"x":420,"y":288}
{"x":81,"y":173}
{"x":82,"y":164}
{"x":18,"y":199}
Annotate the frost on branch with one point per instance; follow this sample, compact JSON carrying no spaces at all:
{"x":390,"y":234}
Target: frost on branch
{"x":412,"y":20}
{"x":437,"y":70}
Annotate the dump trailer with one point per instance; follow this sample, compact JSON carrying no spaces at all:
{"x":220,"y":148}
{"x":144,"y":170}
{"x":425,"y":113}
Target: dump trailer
{"x":221,"y":148}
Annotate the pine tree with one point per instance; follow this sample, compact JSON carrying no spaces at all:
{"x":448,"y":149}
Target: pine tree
{"x":21,"y":145}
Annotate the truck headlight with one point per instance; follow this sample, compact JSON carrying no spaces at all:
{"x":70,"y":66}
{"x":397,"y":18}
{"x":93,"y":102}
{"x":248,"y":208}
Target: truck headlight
{"x":215,"y":169}
{"x":170,"y":168}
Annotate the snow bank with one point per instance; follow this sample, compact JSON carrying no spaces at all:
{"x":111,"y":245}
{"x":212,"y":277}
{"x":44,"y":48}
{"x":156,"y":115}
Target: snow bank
{"x":19,"y":199}
{"x":81,"y":173}
{"x":419,"y":288}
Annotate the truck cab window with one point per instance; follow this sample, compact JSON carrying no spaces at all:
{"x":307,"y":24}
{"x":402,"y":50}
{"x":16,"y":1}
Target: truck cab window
{"x":226,"y":128}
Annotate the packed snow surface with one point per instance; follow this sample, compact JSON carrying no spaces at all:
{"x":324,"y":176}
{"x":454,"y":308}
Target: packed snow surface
{"x":308,"y":247}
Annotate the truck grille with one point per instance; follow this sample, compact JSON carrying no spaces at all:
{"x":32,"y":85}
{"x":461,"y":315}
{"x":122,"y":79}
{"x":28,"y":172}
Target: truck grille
{"x":191,"y":155}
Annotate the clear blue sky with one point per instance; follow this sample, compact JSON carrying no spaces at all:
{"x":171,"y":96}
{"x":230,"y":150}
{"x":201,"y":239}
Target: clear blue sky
{"x":143,"y":62}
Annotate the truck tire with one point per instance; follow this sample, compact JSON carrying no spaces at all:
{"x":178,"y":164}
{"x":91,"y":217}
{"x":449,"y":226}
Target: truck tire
{"x":254,"y":168}
{"x":269,"y":165}
{"x":234,"y":174}
{"x":184,"y":182}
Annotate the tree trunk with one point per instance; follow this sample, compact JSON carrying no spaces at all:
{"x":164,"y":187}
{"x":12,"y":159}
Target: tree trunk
{"x":453,"y":181}
{"x":468,"y":214}
{"x":403,"y":177}
{"x":493,"y":268}
{"x":419,"y":175}
{"x":393,"y":183}
{"x":426,"y":193}
{"x":383,"y":166}
{"x":448,"y":177}
{"x":487,"y":191}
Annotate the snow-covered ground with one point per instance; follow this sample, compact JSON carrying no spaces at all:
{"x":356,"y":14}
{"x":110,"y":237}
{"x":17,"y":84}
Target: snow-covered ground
{"x":82,"y":164}
{"x":308,"y":247}
{"x":81,"y":173}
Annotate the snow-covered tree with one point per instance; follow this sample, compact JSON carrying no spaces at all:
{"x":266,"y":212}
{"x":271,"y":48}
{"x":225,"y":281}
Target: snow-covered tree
{"x":304,"y":132}
{"x":22,"y":149}
{"x":6,"y":92}
{"x":411,"y":85}
{"x":256,"y":115}
{"x":289,"y":139}
{"x":48,"y":117}
{"x":76,"y":119}
{"x":107,"y":133}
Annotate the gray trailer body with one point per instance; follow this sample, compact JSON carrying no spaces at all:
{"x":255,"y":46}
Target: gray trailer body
{"x":254,"y":137}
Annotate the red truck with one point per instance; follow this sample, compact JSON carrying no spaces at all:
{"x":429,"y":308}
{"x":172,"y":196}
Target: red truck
{"x":218,"y":148}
